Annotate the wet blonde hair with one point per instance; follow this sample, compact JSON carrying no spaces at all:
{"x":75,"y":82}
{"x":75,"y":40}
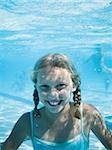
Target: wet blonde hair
{"x":56,"y":60}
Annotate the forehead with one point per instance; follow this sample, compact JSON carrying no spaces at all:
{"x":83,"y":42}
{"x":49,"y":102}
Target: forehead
{"x":53,"y":74}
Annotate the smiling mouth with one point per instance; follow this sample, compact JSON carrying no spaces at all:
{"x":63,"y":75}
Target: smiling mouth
{"x":54,"y":103}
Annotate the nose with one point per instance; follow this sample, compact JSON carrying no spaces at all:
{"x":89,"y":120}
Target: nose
{"x":53,"y":93}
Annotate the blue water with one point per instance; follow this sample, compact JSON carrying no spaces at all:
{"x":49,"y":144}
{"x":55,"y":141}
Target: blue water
{"x":82,"y":29}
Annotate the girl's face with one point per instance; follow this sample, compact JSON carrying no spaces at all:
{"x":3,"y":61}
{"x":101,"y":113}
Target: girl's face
{"x":54,"y":86}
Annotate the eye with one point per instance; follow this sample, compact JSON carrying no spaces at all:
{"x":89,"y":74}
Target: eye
{"x":44,"y":88}
{"x":61,"y":86}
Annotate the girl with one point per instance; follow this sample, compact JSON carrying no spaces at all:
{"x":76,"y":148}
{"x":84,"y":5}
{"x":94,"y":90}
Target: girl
{"x":64,"y":122}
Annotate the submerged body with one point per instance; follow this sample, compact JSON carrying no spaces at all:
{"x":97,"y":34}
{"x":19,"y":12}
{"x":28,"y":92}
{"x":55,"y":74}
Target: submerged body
{"x":64,"y":122}
{"x":79,"y":142}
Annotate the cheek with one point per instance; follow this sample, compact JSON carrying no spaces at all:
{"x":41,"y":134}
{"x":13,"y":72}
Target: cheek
{"x":41,"y":95}
{"x":65,"y":93}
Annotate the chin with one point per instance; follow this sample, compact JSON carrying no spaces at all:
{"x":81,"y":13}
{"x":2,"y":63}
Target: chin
{"x":56,"y":111}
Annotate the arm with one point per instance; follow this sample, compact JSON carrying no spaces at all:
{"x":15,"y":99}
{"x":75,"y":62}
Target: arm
{"x":18,"y":134}
{"x":100,"y":129}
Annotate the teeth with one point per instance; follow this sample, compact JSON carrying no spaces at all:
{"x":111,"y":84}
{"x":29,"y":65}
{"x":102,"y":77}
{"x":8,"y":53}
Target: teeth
{"x":53,"y":103}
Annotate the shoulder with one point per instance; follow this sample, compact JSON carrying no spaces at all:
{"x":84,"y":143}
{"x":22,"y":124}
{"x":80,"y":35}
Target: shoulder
{"x":92,"y":113}
{"x":24,"y":118}
{"x":23,"y":123}
{"x":20,"y":131}
{"x":86,"y":108}
{"x":90,"y":109}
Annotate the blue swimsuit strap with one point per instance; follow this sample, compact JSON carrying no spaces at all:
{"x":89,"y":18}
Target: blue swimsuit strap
{"x":32,"y":126}
{"x":81,"y":111}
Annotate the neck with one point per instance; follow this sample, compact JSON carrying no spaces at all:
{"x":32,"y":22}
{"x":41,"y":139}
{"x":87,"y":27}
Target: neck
{"x":62,"y":115}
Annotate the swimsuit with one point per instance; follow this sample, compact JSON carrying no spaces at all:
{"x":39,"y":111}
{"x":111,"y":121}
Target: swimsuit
{"x":80,"y":142}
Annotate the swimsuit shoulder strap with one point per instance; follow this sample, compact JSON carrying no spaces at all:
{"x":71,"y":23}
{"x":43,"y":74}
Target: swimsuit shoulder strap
{"x":31,"y":124}
{"x":82,"y":119}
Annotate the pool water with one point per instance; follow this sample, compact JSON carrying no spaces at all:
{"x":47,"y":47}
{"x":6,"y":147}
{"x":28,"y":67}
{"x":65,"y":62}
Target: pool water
{"x":29,"y":29}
